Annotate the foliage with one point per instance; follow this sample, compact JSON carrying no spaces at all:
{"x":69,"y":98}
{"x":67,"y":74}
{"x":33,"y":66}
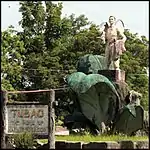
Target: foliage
{"x":50,"y":45}
{"x":24,"y":140}
{"x":134,"y":61}
{"x":12,"y":49}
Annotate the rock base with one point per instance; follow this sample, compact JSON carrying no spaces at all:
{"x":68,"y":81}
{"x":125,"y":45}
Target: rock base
{"x":113,"y":75}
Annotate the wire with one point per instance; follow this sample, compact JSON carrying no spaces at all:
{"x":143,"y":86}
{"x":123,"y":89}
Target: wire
{"x":37,"y":91}
{"x":58,"y":70}
{"x":137,"y":74}
{"x":50,"y":69}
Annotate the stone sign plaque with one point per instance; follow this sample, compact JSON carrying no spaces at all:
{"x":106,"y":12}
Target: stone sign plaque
{"x":27,"y":118}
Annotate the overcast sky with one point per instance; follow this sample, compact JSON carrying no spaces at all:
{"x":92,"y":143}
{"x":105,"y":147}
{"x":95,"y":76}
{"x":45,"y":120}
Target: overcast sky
{"x":135,"y":14}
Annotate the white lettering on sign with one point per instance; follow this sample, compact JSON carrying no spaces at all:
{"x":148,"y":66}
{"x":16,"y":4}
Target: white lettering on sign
{"x":27,"y":118}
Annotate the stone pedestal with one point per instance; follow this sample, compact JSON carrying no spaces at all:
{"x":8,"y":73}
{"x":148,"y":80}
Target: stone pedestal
{"x":113,"y":75}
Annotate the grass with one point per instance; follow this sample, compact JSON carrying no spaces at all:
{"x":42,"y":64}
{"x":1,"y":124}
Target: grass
{"x":89,"y":138}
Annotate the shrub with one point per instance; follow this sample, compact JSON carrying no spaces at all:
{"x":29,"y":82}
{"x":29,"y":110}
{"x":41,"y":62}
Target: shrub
{"x":23,"y":140}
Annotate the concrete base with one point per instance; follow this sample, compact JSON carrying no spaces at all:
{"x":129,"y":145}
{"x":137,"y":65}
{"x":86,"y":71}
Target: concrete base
{"x":99,"y":145}
{"x":113,"y":75}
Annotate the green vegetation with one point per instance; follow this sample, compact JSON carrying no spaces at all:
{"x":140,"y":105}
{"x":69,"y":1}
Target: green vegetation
{"x":88,"y":138}
{"x":23,"y":140}
{"x":49,"y":46}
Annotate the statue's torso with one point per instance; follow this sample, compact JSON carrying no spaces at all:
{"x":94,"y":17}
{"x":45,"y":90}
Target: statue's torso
{"x":111,"y":34}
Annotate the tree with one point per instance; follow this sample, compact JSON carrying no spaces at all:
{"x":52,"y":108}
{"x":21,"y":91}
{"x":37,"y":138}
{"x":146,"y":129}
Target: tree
{"x":49,"y":40}
{"x":12,"y":60}
{"x":50,"y":45}
{"x":133,"y":61}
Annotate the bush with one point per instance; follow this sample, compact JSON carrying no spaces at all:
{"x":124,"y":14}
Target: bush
{"x":23,"y":140}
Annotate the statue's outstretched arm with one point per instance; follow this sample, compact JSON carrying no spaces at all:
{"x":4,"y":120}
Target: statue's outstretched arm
{"x":102,"y":31}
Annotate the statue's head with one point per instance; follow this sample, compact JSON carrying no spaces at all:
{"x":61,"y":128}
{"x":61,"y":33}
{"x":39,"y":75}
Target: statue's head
{"x":112,"y":20}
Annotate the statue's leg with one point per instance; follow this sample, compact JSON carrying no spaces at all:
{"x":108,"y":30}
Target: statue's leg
{"x":108,"y":56}
{"x":116,"y":64}
{"x":116,"y":59}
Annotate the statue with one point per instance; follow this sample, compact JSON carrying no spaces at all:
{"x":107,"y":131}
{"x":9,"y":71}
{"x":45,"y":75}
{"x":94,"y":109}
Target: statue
{"x":113,"y":35}
{"x":99,"y":99}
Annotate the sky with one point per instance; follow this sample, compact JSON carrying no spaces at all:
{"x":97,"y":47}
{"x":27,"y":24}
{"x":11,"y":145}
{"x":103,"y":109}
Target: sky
{"x":135,"y":14}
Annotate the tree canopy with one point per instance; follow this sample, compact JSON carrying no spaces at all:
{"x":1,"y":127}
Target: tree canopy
{"x":50,"y":45}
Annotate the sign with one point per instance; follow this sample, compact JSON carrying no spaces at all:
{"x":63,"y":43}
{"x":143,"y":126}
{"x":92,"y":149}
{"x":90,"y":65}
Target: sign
{"x":27,"y":118}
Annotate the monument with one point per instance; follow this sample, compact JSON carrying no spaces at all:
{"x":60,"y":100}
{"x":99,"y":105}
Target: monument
{"x":98,"y":89}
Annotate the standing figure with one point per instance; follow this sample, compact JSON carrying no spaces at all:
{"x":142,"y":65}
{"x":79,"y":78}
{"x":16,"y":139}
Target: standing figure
{"x":114,"y":38}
